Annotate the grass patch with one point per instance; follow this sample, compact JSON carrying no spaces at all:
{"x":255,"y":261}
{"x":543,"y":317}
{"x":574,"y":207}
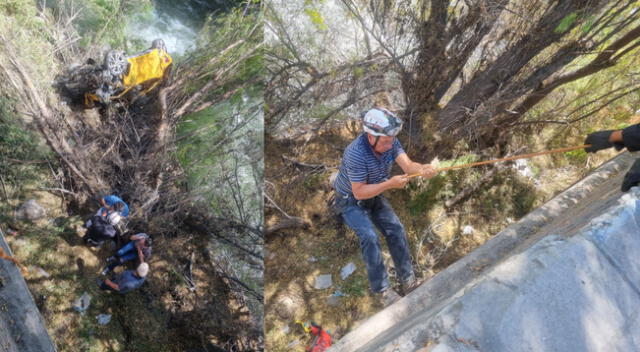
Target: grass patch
{"x":357,"y":286}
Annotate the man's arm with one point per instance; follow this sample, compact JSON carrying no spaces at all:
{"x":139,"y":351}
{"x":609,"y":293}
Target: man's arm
{"x":363,"y":190}
{"x":112,"y":284}
{"x":616,"y":137}
{"x":411,"y":167}
{"x":628,"y":137}
{"x":138,"y":246}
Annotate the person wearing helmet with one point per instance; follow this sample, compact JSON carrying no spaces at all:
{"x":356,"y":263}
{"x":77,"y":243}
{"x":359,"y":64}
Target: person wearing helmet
{"x":626,"y":138}
{"x":128,"y":281}
{"x":364,"y":174}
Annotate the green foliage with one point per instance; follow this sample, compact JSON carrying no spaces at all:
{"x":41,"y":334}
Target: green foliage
{"x":506,"y":196}
{"x":586,"y":27}
{"x":578,"y":156}
{"x":17,"y":8}
{"x":101,"y":21}
{"x":236,"y":36}
{"x":465,"y":159}
{"x":23,"y":158}
{"x":566,"y":23}
{"x":420,"y":203}
{"x":312,"y":182}
{"x":524,"y":201}
{"x":316,"y":18}
{"x":358,"y":72}
{"x":356,"y":286}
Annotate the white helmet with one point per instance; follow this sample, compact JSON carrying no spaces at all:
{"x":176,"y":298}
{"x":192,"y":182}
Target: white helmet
{"x":142,"y":270}
{"x":381,"y":122}
{"x":114,"y":217}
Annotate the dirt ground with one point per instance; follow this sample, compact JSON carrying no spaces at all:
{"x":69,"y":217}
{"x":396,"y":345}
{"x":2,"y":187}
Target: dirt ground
{"x":438,"y":236}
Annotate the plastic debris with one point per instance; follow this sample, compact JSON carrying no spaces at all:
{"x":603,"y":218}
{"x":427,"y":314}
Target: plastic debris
{"x":285,"y":329}
{"x":312,"y":259}
{"x":347,"y":270}
{"x":81,"y":304}
{"x":339,"y":293}
{"x":468,"y":230}
{"x":323,"y":282}
{"x":42,"y":272}
{"x":103,"y":319}
{"x":293,"y":344}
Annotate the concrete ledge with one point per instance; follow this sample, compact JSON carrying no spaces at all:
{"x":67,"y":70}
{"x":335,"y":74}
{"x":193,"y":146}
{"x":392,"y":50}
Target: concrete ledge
{"x":565,"y":215}
{"x":22,"y":328}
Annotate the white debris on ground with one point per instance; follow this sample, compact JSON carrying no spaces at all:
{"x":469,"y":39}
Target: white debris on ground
{"x":103,"y":319}
{"x":347,"y":270}
{"x":522,"y":166}
{"x":81,"y":304}
{"x":323,"y":282}
{"x":468,"y":230}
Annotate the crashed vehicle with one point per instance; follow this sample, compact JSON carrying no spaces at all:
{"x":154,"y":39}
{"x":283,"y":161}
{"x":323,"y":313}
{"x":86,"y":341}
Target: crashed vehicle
{"x":118,"y":75}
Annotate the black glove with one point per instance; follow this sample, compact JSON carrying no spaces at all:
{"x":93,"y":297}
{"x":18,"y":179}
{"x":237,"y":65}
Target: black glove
{"x":632,"y":178}
{"x":599,"y":140}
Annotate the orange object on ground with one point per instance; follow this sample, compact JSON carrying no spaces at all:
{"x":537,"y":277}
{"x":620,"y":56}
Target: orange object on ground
{"x":321,"y":339}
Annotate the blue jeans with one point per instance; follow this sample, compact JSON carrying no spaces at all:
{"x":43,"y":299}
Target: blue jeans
{"x":126,"y":253}
{"x":361,"y":216}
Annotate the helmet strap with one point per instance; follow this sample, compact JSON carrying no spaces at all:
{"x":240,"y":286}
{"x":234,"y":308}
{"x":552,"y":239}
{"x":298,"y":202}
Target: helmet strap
{"x":375,"y":143}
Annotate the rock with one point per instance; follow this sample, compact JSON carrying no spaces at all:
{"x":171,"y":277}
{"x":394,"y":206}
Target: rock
{"x":347,"y":270}
{"x":81,"y":304}
{"x":31,"y":211}
{"x":322,"y":282}
{"x":287,"y":307}
{"x":103,"y":319}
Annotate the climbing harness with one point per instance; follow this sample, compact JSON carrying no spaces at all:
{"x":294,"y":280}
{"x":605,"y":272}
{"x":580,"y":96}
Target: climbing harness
{"x":513,"y":157}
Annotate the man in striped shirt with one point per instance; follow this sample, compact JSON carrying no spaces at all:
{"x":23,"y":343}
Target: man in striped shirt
{"x":362,"y":177}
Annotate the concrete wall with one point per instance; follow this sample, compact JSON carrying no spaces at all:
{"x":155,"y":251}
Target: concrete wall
{"x":564,"y":278}
{"x":21,"y":325}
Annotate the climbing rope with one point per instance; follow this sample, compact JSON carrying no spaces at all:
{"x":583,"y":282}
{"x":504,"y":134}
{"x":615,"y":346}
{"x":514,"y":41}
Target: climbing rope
{"x":513,"y":157}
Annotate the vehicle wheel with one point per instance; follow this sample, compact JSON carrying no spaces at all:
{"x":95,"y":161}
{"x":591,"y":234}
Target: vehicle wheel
{"x":115,"y":62}
{"x":158,"y":44}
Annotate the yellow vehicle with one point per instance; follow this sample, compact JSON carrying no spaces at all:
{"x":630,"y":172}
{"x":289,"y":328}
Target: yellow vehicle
{"x":118,"y":75}
{"x":142,"y":71}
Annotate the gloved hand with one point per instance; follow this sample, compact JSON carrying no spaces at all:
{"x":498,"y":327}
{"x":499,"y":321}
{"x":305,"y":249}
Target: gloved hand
{"x":599,"y":140}
{"x":632,"y":178}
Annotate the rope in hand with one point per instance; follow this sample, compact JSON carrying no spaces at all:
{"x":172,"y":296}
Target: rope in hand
{"x":513,"y":157}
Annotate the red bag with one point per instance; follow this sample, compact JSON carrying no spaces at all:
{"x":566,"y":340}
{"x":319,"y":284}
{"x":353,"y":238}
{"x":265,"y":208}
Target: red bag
{"x":321,"y":339}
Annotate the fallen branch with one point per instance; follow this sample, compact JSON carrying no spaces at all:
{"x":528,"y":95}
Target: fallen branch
{"x":301,"y":165}
{"x":289,"y":223}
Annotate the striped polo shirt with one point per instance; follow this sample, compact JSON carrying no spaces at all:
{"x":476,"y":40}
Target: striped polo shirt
{"x":360,"y":164}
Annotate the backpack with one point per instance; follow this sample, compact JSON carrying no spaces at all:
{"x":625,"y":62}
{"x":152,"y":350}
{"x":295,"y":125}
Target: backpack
{"x":100,"y":229}
{"x":321,"y":339}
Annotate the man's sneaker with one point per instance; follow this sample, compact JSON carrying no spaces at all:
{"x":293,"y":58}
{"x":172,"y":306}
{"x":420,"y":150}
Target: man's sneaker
{"x":389,"y":297}
{"x":410,"y":284}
